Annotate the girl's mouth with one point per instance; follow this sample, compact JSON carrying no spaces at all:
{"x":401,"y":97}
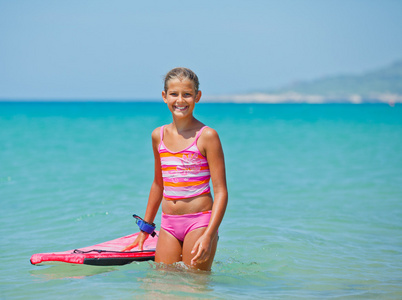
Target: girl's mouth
{"x":180,"y":108}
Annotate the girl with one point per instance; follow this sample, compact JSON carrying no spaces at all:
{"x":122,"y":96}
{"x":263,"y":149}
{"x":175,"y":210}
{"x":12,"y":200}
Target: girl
{"x":187,"y":155}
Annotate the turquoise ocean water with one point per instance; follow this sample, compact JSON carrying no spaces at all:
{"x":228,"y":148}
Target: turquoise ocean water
{"x":315,"y":206}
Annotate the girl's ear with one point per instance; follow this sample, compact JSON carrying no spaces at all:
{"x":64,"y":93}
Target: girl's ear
{"x":164,"y":96}
{"x":198,"y":96}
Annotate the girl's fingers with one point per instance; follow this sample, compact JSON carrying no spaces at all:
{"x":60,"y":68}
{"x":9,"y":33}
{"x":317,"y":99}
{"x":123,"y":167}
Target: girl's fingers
{"x":196,"y":250}
{"x":201,"y":255}
{"x":131,"y":246}
{"x":139,"y":241}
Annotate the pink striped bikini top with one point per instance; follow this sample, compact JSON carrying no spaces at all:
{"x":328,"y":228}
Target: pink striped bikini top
{"x":185,"y":173}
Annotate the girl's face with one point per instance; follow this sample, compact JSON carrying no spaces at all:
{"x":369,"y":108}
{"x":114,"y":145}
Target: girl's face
{"x":181,"y":97}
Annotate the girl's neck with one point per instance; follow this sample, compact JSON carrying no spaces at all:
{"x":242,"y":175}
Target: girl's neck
{"x":184,"y":125}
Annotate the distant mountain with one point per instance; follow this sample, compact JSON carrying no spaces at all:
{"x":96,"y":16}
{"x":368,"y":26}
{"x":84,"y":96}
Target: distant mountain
{"x":382,"y":85}
{"x":386,"y":80}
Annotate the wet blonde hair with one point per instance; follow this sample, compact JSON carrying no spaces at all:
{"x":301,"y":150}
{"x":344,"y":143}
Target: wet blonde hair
{"x":181,"y":74}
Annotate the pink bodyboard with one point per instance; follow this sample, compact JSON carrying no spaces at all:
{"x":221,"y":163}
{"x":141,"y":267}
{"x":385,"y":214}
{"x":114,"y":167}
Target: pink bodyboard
{"x":103,"y":254}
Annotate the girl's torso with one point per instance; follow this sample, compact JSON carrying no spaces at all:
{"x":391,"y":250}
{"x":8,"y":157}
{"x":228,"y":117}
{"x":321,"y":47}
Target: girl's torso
{"x":185,"y":173}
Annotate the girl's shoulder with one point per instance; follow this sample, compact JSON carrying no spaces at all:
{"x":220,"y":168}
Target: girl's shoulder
{"x":156,"y":135}
{"x":209,"y":133}
{"x":156,"y":131}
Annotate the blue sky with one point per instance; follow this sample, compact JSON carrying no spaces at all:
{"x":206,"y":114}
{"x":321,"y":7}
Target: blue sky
{"x":121,"y":49}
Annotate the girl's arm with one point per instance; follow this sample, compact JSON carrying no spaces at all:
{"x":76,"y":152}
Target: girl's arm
{"x":155,"y":194}
{"x":210,"y":142}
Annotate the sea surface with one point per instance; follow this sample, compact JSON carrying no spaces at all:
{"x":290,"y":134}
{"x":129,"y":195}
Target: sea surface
{"x":315,"y":200}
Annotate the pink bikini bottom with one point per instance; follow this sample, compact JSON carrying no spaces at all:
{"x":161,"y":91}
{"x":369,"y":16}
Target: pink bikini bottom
{"x":180,"y":225}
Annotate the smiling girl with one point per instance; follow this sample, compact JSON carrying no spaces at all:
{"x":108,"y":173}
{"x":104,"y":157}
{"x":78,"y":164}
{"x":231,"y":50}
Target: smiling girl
{"x":188,"y":155}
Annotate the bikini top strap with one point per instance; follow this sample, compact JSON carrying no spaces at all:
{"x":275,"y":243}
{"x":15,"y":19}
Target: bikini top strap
{"x":199,"y":133}
{"x":162,"y":132}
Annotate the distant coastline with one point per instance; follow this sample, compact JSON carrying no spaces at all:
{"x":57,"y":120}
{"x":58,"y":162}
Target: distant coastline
{"x":383,"y":85}
{"x":295,"y":98}
{"x":258,"y":98}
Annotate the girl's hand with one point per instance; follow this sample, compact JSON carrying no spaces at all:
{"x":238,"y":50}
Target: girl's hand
{"x":139,"y":241}
{"x":202,"y":248}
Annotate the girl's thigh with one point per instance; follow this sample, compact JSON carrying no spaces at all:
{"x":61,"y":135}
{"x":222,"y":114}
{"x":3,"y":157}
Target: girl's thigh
{"x":188,"y":245}
{"x":168,"y":248}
